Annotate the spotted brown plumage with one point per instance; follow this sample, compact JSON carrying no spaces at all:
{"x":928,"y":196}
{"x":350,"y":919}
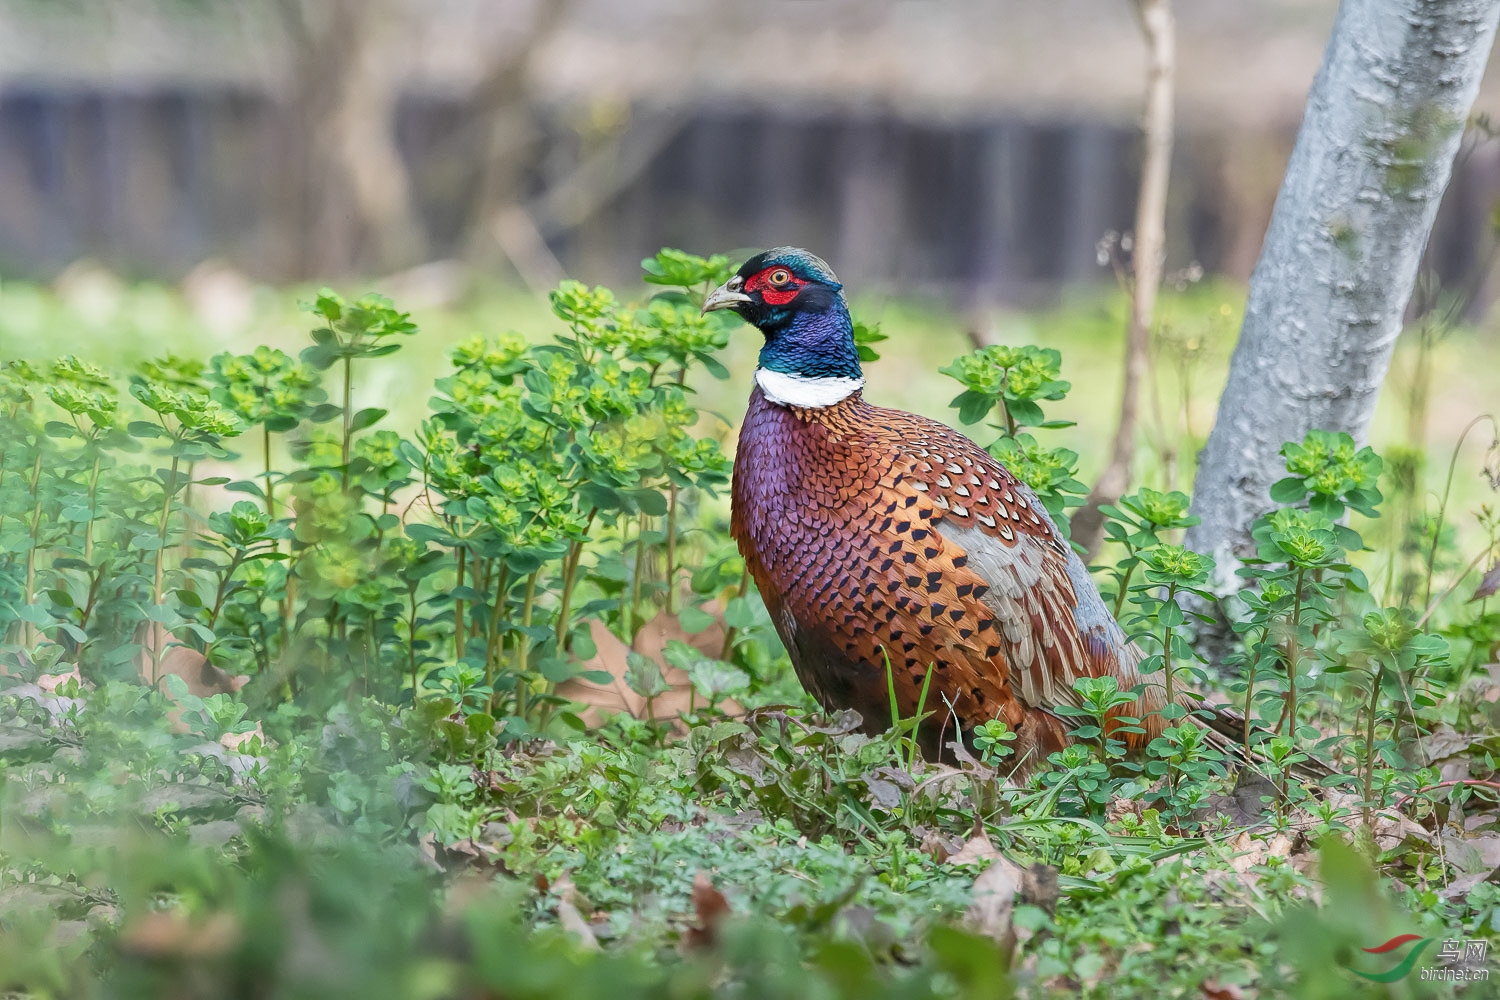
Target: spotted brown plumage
{"x":873,"y":533}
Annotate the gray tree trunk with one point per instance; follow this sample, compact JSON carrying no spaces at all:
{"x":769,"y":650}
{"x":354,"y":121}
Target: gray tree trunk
{"x":1384,"y":119}
{"x":356,"y":211}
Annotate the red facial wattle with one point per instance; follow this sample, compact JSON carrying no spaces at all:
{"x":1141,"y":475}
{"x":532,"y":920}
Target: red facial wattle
{"x":771,"y":293}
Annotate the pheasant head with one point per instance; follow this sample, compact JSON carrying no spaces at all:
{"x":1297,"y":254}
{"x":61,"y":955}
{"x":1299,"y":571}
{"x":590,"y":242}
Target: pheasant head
{"x":809,"y":359}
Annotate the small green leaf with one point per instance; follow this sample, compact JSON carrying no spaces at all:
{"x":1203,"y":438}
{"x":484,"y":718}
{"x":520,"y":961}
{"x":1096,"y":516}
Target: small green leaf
{"x":694,"y":620}
{"x":1289,"y":490}
{"x":739,"y":613}
{"x":367,"y":417}
{"x":972,"y":406}
{"x":650,"y":502}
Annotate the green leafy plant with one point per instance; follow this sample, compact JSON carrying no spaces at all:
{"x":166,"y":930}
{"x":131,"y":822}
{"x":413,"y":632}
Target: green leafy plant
{"x":1011,"y":383}
{"x":993,"y":740}
{"x":1173,"y":576}
{"x":1137,"y":523}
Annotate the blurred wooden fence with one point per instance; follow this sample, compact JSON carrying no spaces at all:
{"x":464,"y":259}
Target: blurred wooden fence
{"x":151,"y":183}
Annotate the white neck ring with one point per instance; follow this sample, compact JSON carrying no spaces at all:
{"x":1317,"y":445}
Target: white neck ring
{"x":806,"y":392}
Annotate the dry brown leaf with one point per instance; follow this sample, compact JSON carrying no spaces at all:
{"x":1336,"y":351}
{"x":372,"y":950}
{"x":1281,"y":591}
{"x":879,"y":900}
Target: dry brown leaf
{"x":1393,"y":829}
{"x":1249,"y":852}
{"x":1038,"y":883}
{"x":999,"y":886}
{"x":1244,"y":852}
{"x":428,"y":846}
{"x":161,"y":654}
{"x":1489,"y":586}
{"x":1212,"y":989}
{"x":1460,"y":887}
{"x":653,"y":636}
{"x":170,"y":934}
{"x":994,"y":900}
{"x":1473,"y":855}
{"x":1445,"y":742}
{"x":51,"y":682}
{"x":937,"y":845}
{"x":1232,"y":884}
{"x":1455,"y":770}
{"x":711,"y":908}
{"x":977,"y":848}
{"x":568,"y":916}
{"x":1488,"y":692}
{"x":604,"y":699}
{"x":883,"y":793}
{"x":651,"y":642}
{"x":611,"y":658}
{"x":233,"y":741}
{"x":1488,"y":846}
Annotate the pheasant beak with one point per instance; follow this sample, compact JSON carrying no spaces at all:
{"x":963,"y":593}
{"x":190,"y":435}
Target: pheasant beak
{"x":727,"y":295}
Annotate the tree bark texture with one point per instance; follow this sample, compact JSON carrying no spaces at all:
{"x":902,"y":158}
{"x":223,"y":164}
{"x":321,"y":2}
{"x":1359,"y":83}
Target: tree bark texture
{"x":1384,"y":119}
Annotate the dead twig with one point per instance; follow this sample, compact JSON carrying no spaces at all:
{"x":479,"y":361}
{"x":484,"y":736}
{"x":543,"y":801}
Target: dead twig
{"x":1477,"y":782}
{"x":1148,"y":254}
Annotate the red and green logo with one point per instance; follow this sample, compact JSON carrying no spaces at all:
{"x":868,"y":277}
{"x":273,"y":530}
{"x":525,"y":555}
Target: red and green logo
{"x":1402,"y":968}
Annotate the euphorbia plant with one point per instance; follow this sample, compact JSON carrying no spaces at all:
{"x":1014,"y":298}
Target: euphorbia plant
{"x":1302,"y":567}
{"x":1174,"y":577}
{"x":1137,"y":522}
{"x":189,"y":427}
{"x":1391,"y":654}
{"x":1011,"y":383}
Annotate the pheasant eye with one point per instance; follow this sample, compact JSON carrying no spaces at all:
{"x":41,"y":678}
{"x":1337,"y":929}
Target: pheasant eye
{"x":780,"y":276}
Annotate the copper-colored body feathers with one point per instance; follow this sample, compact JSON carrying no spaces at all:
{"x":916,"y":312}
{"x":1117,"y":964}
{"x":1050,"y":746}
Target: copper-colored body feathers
{"x":873,"y":532}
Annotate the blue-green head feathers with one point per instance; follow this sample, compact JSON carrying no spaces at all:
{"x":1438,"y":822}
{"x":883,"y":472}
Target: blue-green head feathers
{"x":795,"y":299}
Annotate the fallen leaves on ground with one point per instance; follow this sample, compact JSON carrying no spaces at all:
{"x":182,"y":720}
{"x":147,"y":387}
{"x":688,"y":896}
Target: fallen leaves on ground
{"x":1248,"y":852}
{"x":1475,"y":854}
{"x":651,"y":641}
{"x":161,"y":654}
{"x":936,"y":844}
{"x":1390,"y":828}
{"x":51,"y":682}
{"x":1445,"y":742}
{"x":999,"y":886}
{"x":995,"y":890}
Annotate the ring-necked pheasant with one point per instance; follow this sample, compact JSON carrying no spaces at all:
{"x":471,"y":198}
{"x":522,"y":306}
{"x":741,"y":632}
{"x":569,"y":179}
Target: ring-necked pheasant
{"x":874,"y":532}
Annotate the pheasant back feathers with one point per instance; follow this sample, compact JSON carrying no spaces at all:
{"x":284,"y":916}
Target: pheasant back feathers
{"x":879,"y":535}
